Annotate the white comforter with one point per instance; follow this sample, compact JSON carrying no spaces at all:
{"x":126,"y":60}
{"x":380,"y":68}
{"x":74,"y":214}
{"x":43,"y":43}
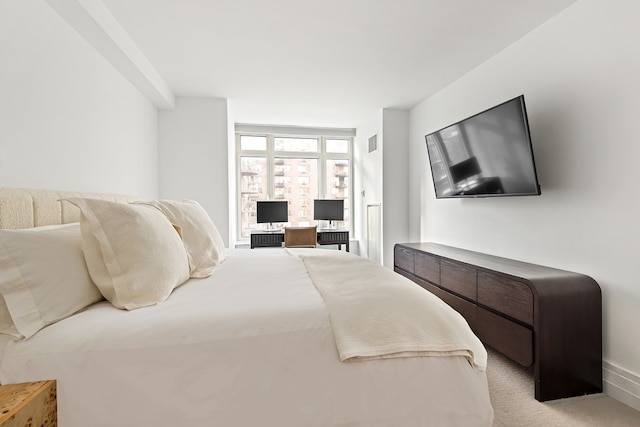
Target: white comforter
{"x":251,"y":345}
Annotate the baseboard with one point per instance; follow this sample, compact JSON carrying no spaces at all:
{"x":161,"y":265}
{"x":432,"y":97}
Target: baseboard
{"x":621,"y":385}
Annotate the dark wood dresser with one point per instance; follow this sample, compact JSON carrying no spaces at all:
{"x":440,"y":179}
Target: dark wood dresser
{"x":535,"y":315}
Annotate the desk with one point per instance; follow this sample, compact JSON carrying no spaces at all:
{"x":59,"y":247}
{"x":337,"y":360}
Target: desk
{"x":262,"y":239}
{"x":331,"y":237}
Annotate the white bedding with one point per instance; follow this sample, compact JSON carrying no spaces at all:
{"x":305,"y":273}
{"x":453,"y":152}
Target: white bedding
{"x":376,"y":313}
{"x":251,"y":345}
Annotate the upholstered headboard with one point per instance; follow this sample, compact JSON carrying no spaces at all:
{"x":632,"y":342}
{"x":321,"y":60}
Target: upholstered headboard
{"x":26,"y":208}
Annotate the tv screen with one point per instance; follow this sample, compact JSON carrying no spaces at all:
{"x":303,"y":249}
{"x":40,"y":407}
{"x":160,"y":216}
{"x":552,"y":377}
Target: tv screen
{"x":272,"y":211}
{"x":488,"y":154}
{"x":330,"y":209}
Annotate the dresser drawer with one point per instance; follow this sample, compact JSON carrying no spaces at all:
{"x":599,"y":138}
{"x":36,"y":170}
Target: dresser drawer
{"x":460,"y":305}
{"x":427,"y":267}
{"x":403,"y":258}
{"x":458,"y":278}
{"x":509,"y":338}
{"x":511,"y":297}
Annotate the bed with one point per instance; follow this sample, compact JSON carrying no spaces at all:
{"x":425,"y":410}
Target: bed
{"x":254,"y":343}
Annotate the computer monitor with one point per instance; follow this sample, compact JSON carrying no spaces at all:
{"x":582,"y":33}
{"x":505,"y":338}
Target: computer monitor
{"x":328,"y":209}
{"x":270,"y":211}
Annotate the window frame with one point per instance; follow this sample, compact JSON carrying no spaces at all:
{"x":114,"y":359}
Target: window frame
{"x":270,"y":154}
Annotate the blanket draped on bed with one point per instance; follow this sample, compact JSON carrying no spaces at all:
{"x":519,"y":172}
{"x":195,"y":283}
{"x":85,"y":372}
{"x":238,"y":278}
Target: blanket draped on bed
{"x":376,"y":313}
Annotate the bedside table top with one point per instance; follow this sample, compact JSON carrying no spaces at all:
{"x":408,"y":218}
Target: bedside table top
{"x":14,"y":397}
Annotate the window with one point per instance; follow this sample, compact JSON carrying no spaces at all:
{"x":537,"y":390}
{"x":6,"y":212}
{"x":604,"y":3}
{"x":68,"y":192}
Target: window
{"x":338,"y":146}
{"x":297,"y":169}
{"x":254,"y":143}
{"x":296,"y":144}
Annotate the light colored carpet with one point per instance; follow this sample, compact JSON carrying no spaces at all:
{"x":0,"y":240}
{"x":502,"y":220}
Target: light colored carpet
{"x":511,"y":389}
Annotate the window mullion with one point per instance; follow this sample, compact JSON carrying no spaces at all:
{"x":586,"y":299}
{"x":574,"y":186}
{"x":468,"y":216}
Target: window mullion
{"x":322,"y":174}
{"x":270,"y":168}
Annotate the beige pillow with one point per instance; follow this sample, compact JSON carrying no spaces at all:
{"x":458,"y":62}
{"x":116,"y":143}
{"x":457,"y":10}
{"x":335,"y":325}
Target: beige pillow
{"x":43,"y":278}
{"x":200,"y":236}
{"x":133,"y":253}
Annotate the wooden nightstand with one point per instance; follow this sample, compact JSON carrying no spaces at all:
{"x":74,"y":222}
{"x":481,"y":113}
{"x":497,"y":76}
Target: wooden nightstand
{"x":29,"y":405}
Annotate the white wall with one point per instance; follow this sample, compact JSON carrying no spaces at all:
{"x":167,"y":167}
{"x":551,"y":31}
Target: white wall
{"x":231,"y":176}
{"x":383,"y":175}
{"x":579,"y":74}
{"x":68,"y":119}
{"x":395,"y":172}
{"x":194,"y":157}
{"x":367,"y":177}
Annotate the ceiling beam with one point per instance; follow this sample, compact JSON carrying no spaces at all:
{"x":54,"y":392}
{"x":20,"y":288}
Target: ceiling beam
{"x":93,"y":21}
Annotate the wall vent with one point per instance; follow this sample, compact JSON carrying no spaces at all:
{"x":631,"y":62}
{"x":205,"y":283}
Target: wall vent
{"x":373,"y":143}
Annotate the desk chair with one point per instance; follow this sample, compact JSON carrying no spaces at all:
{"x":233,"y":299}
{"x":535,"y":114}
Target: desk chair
{"x":301,"y":237}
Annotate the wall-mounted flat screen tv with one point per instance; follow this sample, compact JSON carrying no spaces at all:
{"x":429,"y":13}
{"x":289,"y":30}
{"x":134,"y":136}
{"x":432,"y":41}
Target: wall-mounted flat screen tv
{"x":485,"y":155}
{"x":270,"y":211}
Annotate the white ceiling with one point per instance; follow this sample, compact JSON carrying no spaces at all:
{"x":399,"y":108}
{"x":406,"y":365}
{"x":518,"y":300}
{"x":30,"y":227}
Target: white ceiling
{"x":329,"y":63}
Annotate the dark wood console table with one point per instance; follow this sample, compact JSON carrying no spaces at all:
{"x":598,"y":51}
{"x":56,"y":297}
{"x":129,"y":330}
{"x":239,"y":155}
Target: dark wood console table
{"x":535,"y":315}
{"x":264,"y":239}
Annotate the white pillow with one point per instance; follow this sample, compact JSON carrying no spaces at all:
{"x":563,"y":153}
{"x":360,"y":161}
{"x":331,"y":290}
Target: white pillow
{"x":133,"y":253}
{"x":43,"y":278}
{"x":200,"y":236}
